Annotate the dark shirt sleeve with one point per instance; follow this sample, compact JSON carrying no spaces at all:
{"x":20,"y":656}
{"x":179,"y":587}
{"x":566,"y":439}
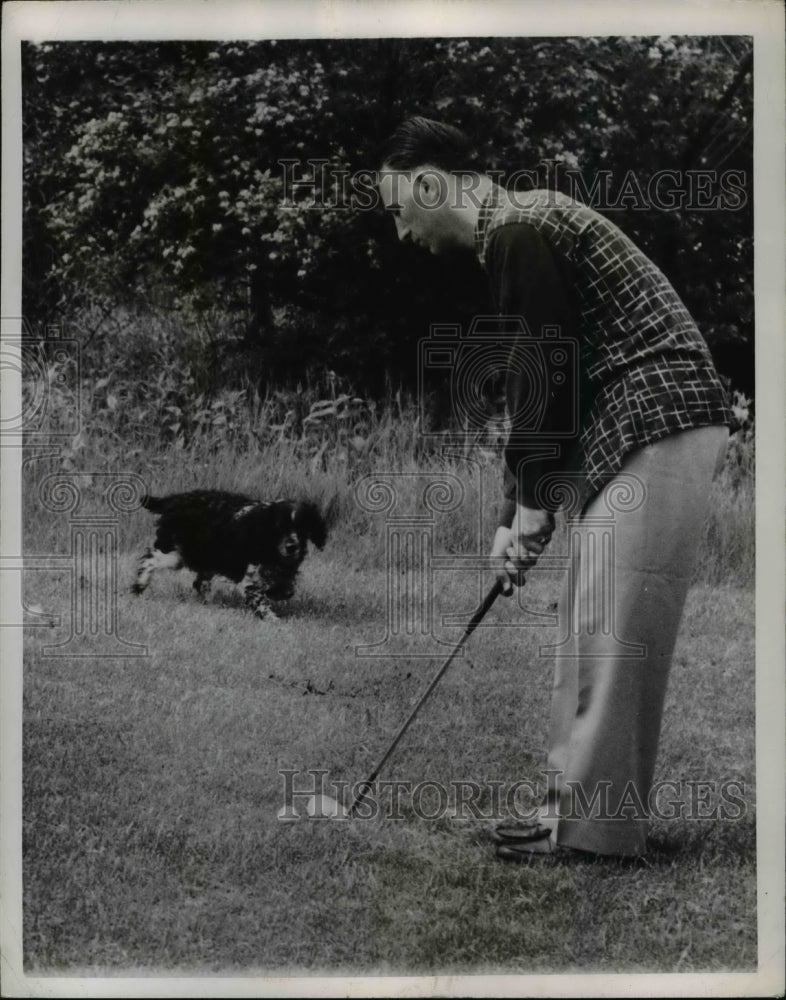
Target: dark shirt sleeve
{"x":529,"y":280}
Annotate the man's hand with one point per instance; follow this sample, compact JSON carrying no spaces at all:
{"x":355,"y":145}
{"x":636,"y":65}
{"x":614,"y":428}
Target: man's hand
{"x":517,"y":548}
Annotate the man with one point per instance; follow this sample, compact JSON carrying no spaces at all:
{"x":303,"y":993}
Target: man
{"x":628,"y":439}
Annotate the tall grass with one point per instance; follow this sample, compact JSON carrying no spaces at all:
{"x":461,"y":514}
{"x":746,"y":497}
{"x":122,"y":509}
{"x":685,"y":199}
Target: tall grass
{"x":728,"y":551}
{"x":150,"y":410}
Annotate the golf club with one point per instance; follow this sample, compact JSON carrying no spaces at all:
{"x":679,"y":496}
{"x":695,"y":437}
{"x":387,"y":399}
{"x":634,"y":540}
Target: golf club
{"x":473,"y":623}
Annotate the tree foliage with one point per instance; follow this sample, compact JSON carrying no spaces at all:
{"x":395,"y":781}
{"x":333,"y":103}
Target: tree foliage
{"x":153,"y":178}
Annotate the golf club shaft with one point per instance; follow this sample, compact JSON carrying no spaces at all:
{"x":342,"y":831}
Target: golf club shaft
{"x":473,"y":623}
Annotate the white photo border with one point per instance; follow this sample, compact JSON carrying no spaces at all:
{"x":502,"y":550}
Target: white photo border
{"x":236,"y":19}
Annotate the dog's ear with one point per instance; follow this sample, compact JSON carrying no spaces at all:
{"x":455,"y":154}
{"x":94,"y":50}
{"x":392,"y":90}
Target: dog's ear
{"x":310,"y":522}
{"x":261,"y":521}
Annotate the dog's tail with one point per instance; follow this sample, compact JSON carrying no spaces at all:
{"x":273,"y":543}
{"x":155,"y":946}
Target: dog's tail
{"x":153,"y":504}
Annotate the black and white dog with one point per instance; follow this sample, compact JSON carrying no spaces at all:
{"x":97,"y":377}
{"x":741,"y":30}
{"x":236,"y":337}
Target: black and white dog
{"x":257,"y":545}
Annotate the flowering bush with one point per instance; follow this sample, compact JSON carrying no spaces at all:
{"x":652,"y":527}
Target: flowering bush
{"x":154,"y":177}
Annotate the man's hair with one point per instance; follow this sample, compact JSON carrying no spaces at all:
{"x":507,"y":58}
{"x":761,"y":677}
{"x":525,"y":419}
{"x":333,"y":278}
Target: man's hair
{"x":419,"y":140}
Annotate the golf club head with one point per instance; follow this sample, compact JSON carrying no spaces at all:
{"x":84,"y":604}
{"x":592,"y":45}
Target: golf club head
{"x":325,"y":807}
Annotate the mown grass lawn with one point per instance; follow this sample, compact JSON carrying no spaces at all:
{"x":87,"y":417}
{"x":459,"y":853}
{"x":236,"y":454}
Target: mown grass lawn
{"x":152,"y":787}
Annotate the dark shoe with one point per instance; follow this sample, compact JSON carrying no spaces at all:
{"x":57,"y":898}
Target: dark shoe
{"x":543,"y":849}
{"x":520,"y":831}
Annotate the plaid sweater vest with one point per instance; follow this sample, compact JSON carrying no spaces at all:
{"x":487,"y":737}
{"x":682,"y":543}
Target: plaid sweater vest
{"x":649,"y":369}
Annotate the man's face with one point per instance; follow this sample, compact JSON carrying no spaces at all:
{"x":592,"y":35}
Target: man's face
{"x":419,"y":205}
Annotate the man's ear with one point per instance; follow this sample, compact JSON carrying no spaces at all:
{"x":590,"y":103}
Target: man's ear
{"x":429,"y":189}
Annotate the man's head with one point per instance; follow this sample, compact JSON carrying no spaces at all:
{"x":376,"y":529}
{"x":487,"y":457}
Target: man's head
{"x":427,"y":182}
{"x":420,"y":140}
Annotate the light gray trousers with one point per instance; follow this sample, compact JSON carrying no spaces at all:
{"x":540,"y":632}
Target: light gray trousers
{"x":633,"y":550}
